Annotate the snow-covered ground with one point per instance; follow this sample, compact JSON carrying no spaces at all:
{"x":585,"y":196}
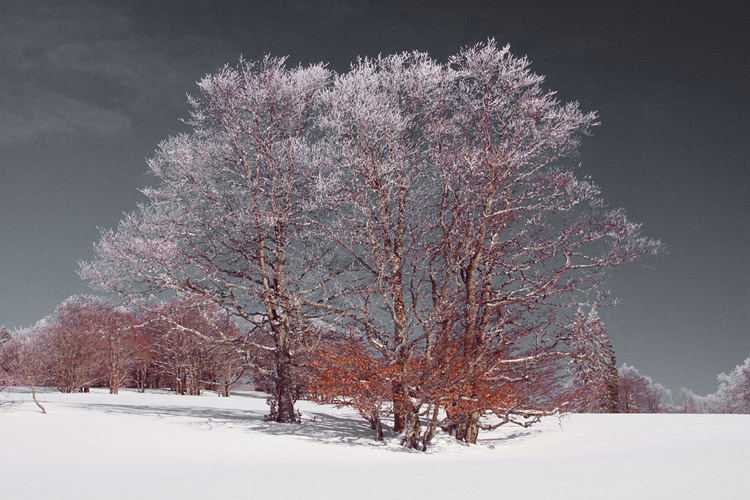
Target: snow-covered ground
{"x":163,"y":446}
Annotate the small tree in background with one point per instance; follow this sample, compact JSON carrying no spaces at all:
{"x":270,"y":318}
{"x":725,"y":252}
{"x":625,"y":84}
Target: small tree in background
{"x":639,"y":394}
{"x":693,"y":403}
{"x":733,"y":395}
{"x":593,"y":365}
{"x":195,"y":345}
{"x":6,"y":358}
{"x":5,"y":335}
{"x":72,"y":341}
{"x":144,"y":372}
{"x":22,"y":362}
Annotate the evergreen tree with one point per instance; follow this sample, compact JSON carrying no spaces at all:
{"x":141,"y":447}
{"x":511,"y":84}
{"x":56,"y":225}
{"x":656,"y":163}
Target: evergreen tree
{"x":593,"y":365}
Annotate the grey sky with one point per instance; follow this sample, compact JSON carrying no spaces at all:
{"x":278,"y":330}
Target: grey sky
{"x":88,"y":89}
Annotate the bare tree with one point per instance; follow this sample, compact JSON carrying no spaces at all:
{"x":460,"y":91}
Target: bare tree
{"x":732,"y":395}
{"x":194,"y":345}
{"x":469,"y":235}
{"x":230,"y":215}
{"x":379,"y":147}
{"x":143,"y":372}
{"x":72,"y":340}
{"x":22,"y":362}
{"x":117,"y":348}
{"x":639,"y":393}
{"x":6,"y":358}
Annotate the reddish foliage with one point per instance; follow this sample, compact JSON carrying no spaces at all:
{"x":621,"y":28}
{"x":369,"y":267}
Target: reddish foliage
{"x":463,"y":384}
{"x":348,"y":375}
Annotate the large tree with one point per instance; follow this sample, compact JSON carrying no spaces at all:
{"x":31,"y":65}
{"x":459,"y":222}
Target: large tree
{"x":470,"y":236}
{"x":229,"y":217}
{"x":378,"y":137}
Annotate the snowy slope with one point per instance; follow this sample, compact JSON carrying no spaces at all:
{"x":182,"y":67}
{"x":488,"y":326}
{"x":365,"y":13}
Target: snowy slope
{"x":163,"y":446}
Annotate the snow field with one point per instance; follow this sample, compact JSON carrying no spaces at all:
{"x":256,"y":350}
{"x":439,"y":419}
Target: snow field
{"x":164,"y":446}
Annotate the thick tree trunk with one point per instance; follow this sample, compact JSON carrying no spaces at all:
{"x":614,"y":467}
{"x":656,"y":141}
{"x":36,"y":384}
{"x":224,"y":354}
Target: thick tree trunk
{"x":399,"y":407}
{"x":284,"y":390}
{"x":114,"y":383}
{"x":466,"y":427}
{"x":412,"y":431}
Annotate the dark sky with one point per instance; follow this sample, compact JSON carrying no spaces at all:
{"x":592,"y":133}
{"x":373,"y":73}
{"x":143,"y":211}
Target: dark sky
{"x":88,"y":89}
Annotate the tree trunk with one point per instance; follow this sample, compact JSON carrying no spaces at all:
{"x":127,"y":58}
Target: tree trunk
{"x":224,"y":390}
{"x":376,"y":425}
{"x":36,"y":401}
{"x":284,"y":390}
{"x":399,"y":407}
{"x":467,"y":427}
{"x":431,"y":429}
{"x":412,"y":431}
{"x":30,"y":381}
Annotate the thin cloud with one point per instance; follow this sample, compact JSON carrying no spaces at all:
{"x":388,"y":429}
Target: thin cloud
{"x":41,"y":113}
{"x":85,"y":69}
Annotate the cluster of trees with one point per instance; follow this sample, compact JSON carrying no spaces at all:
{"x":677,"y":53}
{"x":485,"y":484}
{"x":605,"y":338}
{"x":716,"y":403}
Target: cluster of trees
{"x":424,"y":218}
{"x":732,"y":395}
{"x":640,"y":394}
{"x":184,"y":344}
{"x":427,"y":213}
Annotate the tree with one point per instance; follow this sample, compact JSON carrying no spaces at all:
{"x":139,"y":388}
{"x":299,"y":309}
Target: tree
{"x":117,"y":348}
{"x":229,"y":217}
{"x":72,"y":341}
{"x":639,"y":394}
{"x":22,"y":363}
{"x":593,"y":365}
{"x":733,"y":395}
{"x":693,"y":403}
{"x":378,"y":149}
{"x":143,"y":371}
{"x":469,"y":236}
{"x":6,"y":358}
{"x":87,"y":342}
